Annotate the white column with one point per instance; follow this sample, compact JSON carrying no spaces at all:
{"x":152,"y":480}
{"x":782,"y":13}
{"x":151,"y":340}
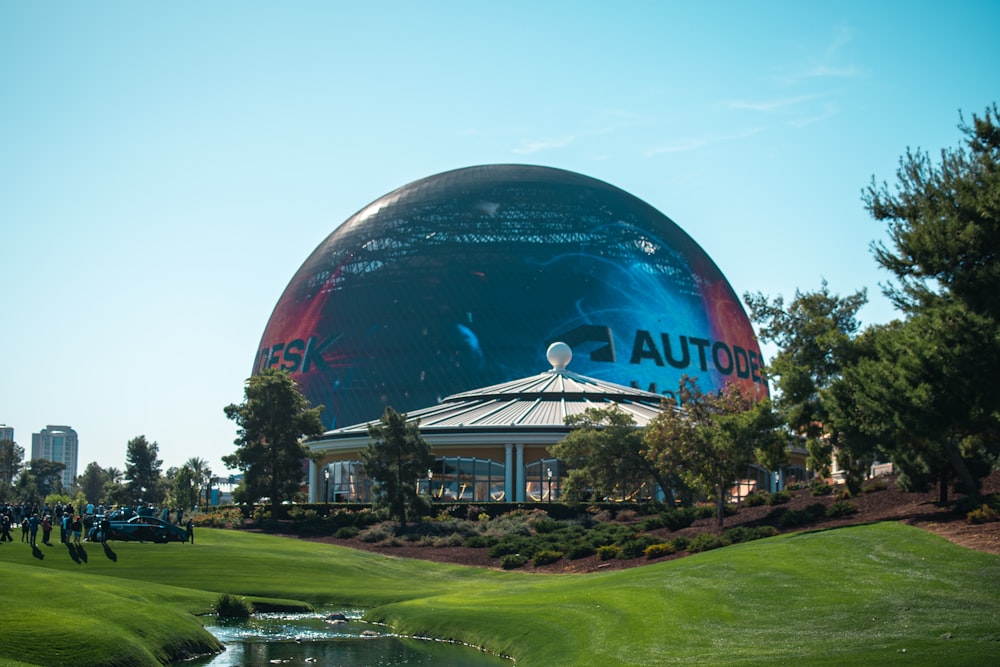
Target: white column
{"x":508,"y":473}
{"x":313,"y":468}
{"x":520,"y":473}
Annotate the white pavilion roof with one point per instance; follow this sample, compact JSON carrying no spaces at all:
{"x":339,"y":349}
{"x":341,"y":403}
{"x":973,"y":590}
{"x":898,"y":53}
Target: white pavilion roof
{"x":537,"y":405}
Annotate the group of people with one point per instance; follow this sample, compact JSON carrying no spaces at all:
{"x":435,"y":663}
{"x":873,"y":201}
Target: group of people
{"x":31,"y":518}
{"x":73,"y":526}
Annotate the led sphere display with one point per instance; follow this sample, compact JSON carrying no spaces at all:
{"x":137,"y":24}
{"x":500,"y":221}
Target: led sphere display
{"x":462,"y":280}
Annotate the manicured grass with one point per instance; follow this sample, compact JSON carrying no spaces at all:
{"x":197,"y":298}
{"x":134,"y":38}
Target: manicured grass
{"x":883,"y":594}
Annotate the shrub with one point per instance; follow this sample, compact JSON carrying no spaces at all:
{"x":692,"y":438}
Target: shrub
{"x":761,"y":532}
{"x":652,"y":523}
{"x":793,"y":518}
{"x":511,"y":544}
{"x":637,"y":546}
{"x":512,"y":561}
{"x":380,"y":532}
{"x":480,"y":541}
{"x":706,"y":542}
{"x":608,"y":552}
{"x":842,"y":493}
{"x":676,"y":519}
{"x":544,"y":524}
{"x":756,"y":499}
{"x":680,"y":543}
{"x":779,"y":497}
{"x":984,"y":514}
{"x":231,"y":607}
{"x":739,"y":534}
{"x":346,"y":532}
{"x":880,"y":484}
{"x":659,"y":550}
{"x":704,"y":512}
{"x":545,"y":557}
{"x":842,"y":508}
{"x":577,"y":551}
{"x":822,"y":489}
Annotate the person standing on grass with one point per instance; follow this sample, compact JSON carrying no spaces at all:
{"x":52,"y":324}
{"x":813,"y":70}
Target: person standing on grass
{"x":190,"y":530}
{"x":46,"y":529}
{"x":33,"y":528}
{"x":77,"y":529}
{"x":105,"y":528}
{"x":5,"y":528}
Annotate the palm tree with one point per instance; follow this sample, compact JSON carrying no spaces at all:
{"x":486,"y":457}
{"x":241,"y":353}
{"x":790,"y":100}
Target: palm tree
{"x":202,"y":475}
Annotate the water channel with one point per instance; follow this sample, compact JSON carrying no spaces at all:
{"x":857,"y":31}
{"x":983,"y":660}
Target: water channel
{"x":298,"y":639}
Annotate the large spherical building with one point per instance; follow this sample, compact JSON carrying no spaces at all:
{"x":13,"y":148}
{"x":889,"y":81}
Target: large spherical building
{"x":461,"y":280}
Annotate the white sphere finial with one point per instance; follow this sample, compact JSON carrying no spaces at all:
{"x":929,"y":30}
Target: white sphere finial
{"x":559,"y":355}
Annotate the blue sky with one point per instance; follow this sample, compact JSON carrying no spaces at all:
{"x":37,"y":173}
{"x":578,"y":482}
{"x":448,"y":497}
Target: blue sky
{"x":166,"y":167}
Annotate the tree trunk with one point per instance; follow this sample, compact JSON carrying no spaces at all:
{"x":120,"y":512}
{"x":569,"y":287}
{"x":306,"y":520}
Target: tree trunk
{"x":721,"y":505}
{"x":961,"y":470}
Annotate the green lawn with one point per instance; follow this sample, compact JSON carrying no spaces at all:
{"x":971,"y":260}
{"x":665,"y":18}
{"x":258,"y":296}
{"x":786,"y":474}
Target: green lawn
{"x":882,"y":594}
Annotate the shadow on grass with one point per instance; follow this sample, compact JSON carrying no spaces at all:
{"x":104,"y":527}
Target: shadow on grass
{"x":77,"y":553}
{"x":112,"y":556}
{"x":36,"y":552}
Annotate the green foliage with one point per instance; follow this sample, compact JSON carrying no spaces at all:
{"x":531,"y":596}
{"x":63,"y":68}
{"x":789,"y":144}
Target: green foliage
{"x":480,"y":541}
{"x":927,"y":384}
{"x":706,"y":542}
{"x":636,"y":547}
{"x":143,"y":470}
{"x":545,"y":557}
{"x":395,"y":459}
{"x":679,"y":518}
{"x":381,"y":532}
{"x":821,"y":489}
{"x":605,"y":455}
{"x":795,"y":518}
{"x":659,"y":550}
{"x":842,"y":508}
{"x":983,"y":514}
{"x":609,"y":552}
{"x":681,"y":543}
{"x":346,"y":532}
{"x":757,"y":498}
{"x":912,"y":576}
{"x":228,"y":606}
{"x":713,"y":440}
{"x":513,"y":544}
{"x":272,"y":421}
{"x":880,"y":484}
{"x":779,"y":497}
{"x":581,"y":550}
{"x":512,"y":561}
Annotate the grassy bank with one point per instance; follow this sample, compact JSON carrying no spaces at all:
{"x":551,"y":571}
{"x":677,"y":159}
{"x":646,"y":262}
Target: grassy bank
{"x":883,"y":593}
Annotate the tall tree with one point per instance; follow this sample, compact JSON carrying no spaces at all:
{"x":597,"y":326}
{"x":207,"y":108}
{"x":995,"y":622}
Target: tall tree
{"x":944,"y":251}
{"x":814,"y":334}
{"x":605,"y":455}
{"x":185,"y":489}
{"x":202,"y":477}
{"x":92,"y":481}
{"x":944,"y":222}
{"x":395,"y":459}
{"x":273,"y":419}
{"x":47,"y":476}
{"x":11,"y":457}
{"x":714,"y":438}
{"x":142,"y":470}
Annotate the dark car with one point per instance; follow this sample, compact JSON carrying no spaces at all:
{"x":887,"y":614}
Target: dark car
{"x":142,"y":529}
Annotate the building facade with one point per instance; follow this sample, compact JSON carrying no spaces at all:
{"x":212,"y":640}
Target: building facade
{"x":59,"y":444}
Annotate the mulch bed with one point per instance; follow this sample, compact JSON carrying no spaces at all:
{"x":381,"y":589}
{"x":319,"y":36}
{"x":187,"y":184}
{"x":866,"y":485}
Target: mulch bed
{"x":889,"y":504}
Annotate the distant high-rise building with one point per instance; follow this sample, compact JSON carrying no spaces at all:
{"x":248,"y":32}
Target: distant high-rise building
{"x":59,"y":444}
{"x":6,"y":432}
